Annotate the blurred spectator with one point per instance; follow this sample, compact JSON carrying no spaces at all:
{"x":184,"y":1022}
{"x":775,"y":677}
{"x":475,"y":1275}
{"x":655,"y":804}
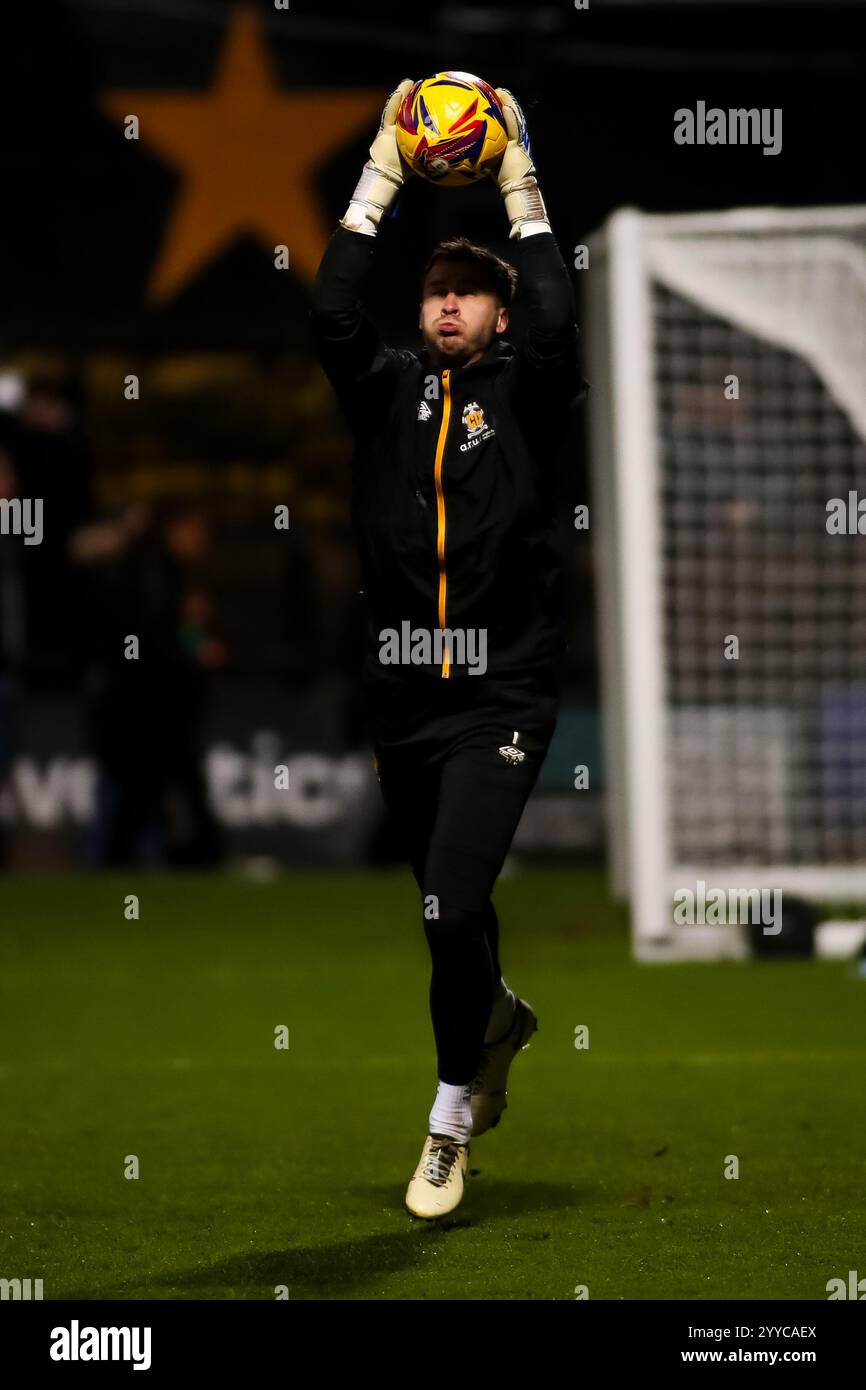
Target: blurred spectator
{"x":145,"y":714}
{"x":48,"y":458}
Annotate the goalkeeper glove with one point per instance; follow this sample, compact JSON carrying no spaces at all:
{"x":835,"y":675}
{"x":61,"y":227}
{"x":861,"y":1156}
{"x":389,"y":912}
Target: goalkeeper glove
{"x":384,"y":172}
{"x":516,"y":174}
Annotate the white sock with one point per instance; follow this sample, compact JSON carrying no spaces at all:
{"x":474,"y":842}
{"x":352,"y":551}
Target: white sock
{"x":502,"y":1013}
{"x":452,"y":1112}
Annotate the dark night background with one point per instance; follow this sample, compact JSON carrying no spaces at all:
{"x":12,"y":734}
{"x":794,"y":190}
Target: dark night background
{"x":235,"y":416}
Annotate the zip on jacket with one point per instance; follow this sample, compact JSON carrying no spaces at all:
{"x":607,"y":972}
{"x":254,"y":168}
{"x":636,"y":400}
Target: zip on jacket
{"x":440,"y":514}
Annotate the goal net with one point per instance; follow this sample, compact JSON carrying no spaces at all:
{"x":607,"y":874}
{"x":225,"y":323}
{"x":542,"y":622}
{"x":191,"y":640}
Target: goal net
{"x":728,"y":410}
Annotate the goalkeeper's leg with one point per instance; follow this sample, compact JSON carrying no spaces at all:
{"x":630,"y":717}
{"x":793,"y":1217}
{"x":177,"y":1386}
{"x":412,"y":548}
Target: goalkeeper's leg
{"x":481,"y":799}
{"x":457,"y":789}
{"x":458,"y":816}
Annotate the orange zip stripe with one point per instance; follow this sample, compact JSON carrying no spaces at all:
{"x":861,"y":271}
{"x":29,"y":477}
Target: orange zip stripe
{"x":440,"y":513}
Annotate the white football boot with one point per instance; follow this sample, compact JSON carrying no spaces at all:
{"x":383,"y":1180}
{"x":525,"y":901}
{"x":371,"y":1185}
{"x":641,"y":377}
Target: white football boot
{"x":490,"y":1087}
{"x":438,"y":1182}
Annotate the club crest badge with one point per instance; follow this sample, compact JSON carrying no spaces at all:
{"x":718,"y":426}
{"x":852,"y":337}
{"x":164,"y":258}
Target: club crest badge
{"x":477,"y":425}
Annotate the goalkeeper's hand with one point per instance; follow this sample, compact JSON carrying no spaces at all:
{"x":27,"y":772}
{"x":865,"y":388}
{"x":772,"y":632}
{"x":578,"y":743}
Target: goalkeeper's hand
{"x":384,"y":172}
{"x":516,"y":174}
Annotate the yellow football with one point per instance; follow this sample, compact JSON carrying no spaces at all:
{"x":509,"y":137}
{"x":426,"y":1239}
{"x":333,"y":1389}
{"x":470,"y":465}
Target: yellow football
{"x":451,"y":129}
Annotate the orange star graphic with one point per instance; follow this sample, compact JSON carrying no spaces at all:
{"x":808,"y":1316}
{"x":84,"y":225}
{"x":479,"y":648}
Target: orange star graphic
{"x":248,"y":152}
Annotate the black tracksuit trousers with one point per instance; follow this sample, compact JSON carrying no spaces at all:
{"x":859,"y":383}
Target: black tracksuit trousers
{"x":457,"y":760}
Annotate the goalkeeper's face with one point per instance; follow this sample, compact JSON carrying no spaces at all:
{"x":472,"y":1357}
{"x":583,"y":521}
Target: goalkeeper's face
{"x":460,"y":313}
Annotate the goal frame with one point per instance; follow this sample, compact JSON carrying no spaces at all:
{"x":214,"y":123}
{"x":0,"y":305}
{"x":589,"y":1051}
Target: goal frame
{"x":627,"y":528}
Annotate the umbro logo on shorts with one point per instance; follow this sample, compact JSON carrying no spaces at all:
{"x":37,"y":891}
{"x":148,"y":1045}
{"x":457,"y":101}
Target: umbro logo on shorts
{"x":510,"y":753}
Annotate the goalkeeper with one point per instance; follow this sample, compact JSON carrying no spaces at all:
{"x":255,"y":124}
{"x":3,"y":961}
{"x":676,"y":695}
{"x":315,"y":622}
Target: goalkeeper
{"x":452,"y":497}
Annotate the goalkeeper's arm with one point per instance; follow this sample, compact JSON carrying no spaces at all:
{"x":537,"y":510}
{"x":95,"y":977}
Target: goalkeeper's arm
{"x":346,"y":339}
{"x":546,"y":366}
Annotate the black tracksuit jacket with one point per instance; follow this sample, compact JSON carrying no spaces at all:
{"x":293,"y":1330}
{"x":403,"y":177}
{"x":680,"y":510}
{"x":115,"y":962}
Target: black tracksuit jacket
{"x":453,"y":471}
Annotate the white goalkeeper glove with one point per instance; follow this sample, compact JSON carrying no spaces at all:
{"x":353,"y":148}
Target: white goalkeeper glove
{"x":516,"y":174}
{"x":384,"y":172}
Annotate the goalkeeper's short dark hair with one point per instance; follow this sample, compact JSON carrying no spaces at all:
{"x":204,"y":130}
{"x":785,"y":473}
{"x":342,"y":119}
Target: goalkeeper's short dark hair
{"x":501,"y":274}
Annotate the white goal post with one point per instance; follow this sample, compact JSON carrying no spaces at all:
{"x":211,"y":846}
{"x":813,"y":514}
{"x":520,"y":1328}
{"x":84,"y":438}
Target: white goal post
{"x":727,"y":362}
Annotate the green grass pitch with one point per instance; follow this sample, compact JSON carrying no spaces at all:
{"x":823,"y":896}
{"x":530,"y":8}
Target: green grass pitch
{"x":262,"y":1167}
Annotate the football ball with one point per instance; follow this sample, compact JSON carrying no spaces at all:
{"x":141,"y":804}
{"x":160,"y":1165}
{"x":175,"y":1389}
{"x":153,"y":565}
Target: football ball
{"x":451,"y":129}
